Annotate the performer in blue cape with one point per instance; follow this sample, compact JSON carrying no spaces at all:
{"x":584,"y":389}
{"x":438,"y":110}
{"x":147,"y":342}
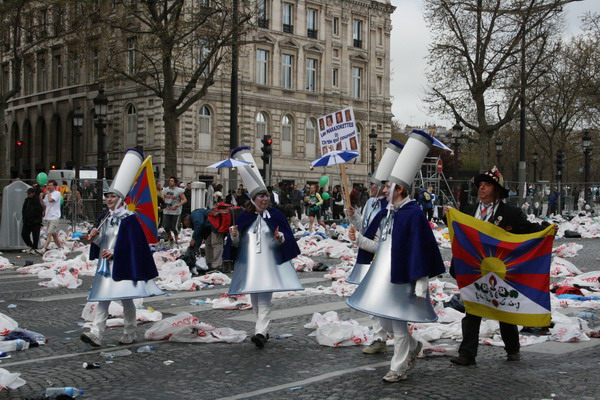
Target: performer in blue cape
{"x":125,"y":265}
{"x":262,"y":245}
{"x":396,"y":285}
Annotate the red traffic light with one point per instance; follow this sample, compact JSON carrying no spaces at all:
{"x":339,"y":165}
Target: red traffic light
{"x":19,"y":143}
{"x":269,"y":141}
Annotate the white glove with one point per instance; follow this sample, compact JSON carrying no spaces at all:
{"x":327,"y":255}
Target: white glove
{"x":421,"y":287}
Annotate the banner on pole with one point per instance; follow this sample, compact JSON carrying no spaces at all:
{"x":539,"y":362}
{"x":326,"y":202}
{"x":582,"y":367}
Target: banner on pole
{"x":337,"y":131}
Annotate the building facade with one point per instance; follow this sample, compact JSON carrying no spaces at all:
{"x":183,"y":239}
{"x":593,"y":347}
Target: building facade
{"x":305,"y":59}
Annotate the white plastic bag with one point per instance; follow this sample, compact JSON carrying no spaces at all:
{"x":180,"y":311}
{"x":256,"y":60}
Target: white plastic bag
{"x":171,"y":326}
{"x":9,"y":380}
{"x":7,"y":324}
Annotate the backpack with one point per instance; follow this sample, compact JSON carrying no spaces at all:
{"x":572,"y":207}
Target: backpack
{"x":222,"y":216}
{"x":426,"y":196}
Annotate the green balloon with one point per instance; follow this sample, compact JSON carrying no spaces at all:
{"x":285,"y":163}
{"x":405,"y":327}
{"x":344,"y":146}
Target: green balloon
{"x":42,"y":178}
{"x":324,"y":180}
{"x":325,"y":196}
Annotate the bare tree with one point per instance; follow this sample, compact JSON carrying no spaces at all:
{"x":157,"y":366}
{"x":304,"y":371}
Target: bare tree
{"x":174,"y":48}
{"x":25,"y":27}
{"x":476,"y":75}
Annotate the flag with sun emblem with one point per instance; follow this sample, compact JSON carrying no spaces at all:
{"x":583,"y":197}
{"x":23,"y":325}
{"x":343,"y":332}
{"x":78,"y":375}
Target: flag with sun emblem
{"x":501,"y":275}
{"x":143,"y":201}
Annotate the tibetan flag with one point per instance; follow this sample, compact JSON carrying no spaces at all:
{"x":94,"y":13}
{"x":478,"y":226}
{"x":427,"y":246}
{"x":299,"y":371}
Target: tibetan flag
{"x":143,"y":201}
{"x":501,"y":275}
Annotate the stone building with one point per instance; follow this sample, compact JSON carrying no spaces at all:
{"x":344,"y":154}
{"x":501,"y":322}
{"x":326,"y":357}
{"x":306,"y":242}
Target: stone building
{"x":306,"y":59}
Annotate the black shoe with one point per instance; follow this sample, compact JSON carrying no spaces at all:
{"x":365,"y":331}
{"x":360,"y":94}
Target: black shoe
{"x":259,"y":340}
{"x":462,"y":360}
{"x":513,"y":357}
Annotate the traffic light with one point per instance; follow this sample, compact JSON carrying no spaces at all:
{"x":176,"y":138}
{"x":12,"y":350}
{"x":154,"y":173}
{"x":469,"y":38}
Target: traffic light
{"x":19,"y":148}
{"x":560,"y":160}
{"x":19,"y":143}
{"x":266,"y":148}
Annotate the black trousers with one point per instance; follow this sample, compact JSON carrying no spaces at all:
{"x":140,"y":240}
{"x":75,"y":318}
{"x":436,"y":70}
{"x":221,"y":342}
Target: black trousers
{"x":31,"y":235}
{"x":470,"y":331}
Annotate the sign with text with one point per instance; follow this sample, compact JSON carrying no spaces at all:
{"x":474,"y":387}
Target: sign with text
{"x":337,"y":131}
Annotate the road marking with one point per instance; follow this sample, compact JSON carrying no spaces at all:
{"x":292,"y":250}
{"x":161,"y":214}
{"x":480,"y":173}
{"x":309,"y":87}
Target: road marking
{"x":305,"y":382}
{"x":296,"y":311}
{"x":13,"y":276}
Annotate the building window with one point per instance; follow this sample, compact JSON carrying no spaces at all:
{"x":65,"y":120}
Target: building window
{"x":203,"y":55}
{"x":357,"y":33}
{"x":74,"y":69}
{"x":131,"y":127}
{"x":311,"y":132}
{"x":263,"y":14}
{"x":335,"y":77}
{"x":262,"y":70}
{"x":150,"y":131}
{"x":288,"y":17}
{"x":363,"y":156}
{"x":57,"y":19}
{"x":42,"y":74}
{"x":311,"y":23}
{"x":336,"y":53}
{"x":5,"y":76}
{"x":131,"y":56}
{"x":336,"y":26}
{"x":379,"y":62}
{"x":356,"y":82}
{"x":28,"y":77}
{"x":286,"y":135}
{"x":379,"y":36}
{"x":287,"y":70}
{"x":204,"y":128}
{"x":94,"y":71}
{"x":379,"y":85}
{"x":311,"y":74}
{"x":57,"y":71}
{"x":261,"y":129}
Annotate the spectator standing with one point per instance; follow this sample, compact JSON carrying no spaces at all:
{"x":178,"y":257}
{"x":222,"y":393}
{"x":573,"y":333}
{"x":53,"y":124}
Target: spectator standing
{"x":187,"y":207}
{"x":552,"y":201}
{"x":33,"y":212}
{"x":52,"y":213}
{"x":338,"y":203}
{"x":65,"y":193}
{"x":88,"y":195}
{"x":174,"y":198}
{"x":296,"y":197}
{"x":426,"y":202}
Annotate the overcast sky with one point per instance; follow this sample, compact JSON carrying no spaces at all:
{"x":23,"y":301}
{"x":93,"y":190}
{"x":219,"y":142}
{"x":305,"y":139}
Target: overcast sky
{"x":410,"y":38}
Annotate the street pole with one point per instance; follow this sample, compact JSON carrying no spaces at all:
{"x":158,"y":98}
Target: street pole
{"x":522,"y":136}
{"x":100,"y":109}
{"x":233,"y":106}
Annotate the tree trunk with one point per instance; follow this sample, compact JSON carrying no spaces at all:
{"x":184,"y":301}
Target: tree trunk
{"x":170,"y":120}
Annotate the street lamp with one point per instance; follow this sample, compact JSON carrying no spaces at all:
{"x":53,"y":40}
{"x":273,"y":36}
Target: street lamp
{"x":373,"y":148}
{"x":77,"y":125}
{"x":586,"y":140}
{"x":535,"y":161}
{"x":498,"y":151}
{"x":456,"y":136}
{"x":100,"y":110}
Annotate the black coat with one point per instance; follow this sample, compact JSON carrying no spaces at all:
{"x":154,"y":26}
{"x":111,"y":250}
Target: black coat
{"x":509,"y":218}
{"x":33,"y":211}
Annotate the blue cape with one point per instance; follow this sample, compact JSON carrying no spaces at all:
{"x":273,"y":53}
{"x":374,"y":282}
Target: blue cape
{"x":132,"y":259}
{"x":288,"y":250}
{"x":415,"y":252}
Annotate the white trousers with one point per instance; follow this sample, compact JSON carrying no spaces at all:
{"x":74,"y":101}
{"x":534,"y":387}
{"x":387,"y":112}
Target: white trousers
{"x":378,"y":332}
{"x":404,"y":343}
{"x":261,"y":304}
{"x":102,"y":315}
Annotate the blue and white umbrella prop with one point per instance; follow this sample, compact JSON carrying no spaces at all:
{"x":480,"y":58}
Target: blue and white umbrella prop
{"x":229,"y":163}
{"x":436,"y":142}
{"x":334,"y":157}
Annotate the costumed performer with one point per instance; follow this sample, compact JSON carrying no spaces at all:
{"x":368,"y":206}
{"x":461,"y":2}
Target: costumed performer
{"x":396,"y":285}
{"x":367,"y":227}
{"x":125,"y":265}
{"x":262,"y":245}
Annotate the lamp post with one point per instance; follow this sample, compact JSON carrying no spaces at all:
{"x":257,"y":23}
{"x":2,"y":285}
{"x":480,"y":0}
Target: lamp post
{"x":586,"y":140}
{"x":498,"y":151}
{"x":77,"y":125}
{"x":100,"y":109}
{"x":373,"y":148}
{"x":534,"y":159}
{"x":456,"y":136}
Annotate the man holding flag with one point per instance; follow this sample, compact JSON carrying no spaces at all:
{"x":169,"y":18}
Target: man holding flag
{"x":501,"y":275}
